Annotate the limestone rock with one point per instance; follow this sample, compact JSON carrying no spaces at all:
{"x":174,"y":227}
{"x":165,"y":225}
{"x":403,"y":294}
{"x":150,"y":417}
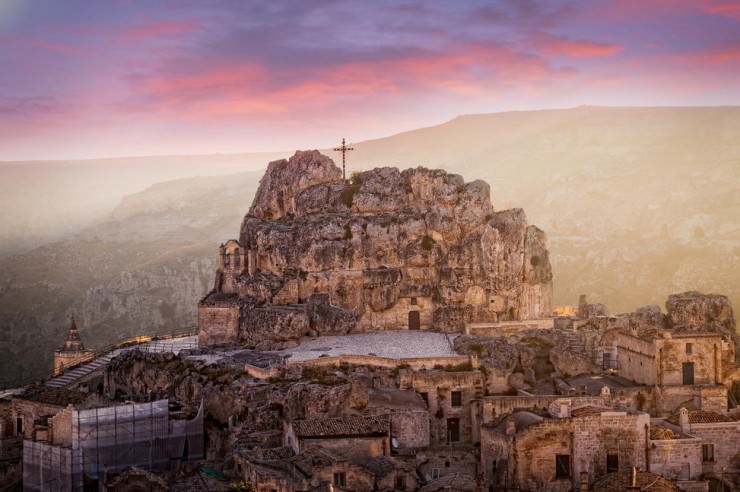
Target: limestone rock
{"x":699,"y":312}
{"x":390,"y":249}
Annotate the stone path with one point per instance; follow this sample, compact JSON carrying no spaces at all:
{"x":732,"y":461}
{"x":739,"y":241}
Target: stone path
{"x":392,"y":344}
{"x":174,"y":345}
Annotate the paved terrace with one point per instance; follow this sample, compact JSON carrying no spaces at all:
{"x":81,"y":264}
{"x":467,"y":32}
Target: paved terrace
{"x":392,"y":344}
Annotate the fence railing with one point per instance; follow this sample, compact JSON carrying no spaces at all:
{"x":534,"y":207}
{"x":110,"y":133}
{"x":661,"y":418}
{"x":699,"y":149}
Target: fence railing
{"x":101,"y":351}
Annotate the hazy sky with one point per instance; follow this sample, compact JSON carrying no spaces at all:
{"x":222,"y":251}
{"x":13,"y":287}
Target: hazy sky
{"x":123,"y":77}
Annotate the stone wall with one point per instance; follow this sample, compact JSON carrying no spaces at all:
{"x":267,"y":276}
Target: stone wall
{"x":636,"y":359}
{"x":446,"y":461}
{"x":416,"y":363}
{"x":668,"y":399}
{"x":611,"y":433}
{"x":704,"y":351}
{"x":725,"y":439}
{"x":351,"y":447}
{"x":676,"y":458}
{"x":437,"y":387}
{"x":29,"y":411}
{"x":218,"y":323}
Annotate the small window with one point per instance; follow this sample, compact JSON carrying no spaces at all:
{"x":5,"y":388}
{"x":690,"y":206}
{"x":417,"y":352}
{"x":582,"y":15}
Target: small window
{"x":707,"y":452}
{"x":413,"y":301}
{"x":612,"y":463}
{"x":400,"y":482}
{"x":456,"y":398}
{"x":425,"y":397}
{"x":435,"y":473}
{"x":447,"y":464}
{"x":562,"y":466}
{"x":494,"y":467}
{"x":689,"y":348}
{"x":340,"y":479}
{"x":19,"y":426}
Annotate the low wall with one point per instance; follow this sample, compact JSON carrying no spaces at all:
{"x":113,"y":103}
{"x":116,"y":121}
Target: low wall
{"x":387,"y":362}
{"x":260,"y":372}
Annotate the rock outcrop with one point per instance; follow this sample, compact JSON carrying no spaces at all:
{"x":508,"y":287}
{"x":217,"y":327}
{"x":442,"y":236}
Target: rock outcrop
{"x":390,"y":249}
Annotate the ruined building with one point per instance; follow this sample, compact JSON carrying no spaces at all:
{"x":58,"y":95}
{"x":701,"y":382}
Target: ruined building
{"x":388,"y":249}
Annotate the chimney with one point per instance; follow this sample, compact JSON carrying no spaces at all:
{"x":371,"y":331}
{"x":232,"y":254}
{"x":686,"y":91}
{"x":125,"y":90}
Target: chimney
{"x":683,"y":420}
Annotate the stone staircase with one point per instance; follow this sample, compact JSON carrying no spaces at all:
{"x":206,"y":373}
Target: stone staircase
{"x":77,"y":374}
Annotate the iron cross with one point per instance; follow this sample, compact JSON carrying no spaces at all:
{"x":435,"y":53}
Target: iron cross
{"x":343,"y":149}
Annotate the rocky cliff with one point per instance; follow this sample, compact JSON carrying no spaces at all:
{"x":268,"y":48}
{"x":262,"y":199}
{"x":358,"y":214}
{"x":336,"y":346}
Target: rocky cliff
{"x":389,"y":249}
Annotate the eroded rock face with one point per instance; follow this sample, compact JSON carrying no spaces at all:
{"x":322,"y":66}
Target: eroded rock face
{"x":391,"y":249}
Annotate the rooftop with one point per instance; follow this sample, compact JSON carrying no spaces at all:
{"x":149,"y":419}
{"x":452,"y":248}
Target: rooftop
{"x":343,"y":426}
{"x":701,"y":417}
{"x":53,"y":396}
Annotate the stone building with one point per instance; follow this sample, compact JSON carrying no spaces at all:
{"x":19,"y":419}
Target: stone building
{"x":73,"y":352}
{"x":413,"y":249}
{"x":720,"y":443}
{"x":556,"y":450}
{"x":355,"y":437}
{"x":453,"y":398}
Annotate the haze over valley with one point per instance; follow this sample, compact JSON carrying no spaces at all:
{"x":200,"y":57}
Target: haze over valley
{"x":637,"y":203}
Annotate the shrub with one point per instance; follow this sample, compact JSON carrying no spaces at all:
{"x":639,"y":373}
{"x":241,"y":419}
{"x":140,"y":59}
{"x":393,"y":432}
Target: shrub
{"x":427,"y":243}
{"x":476,"y":347}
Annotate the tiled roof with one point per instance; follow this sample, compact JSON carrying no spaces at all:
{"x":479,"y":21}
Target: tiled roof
{"x":587,"y":411}
{"x":343,"y":426}
{"x":701,"y":417}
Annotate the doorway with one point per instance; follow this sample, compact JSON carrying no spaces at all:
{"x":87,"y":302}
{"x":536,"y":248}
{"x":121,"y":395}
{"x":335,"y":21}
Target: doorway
{"x":414,"y":320}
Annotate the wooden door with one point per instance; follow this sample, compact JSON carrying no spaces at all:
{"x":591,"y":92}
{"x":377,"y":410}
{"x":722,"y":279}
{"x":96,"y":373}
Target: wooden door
{"x":414,"y":320}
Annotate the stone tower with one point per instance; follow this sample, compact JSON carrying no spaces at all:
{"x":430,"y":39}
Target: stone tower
{"x":72,"y":352}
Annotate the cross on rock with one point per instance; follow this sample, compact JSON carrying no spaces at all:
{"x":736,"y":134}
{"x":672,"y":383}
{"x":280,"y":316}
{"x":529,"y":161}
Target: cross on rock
{"x":343,"y":149}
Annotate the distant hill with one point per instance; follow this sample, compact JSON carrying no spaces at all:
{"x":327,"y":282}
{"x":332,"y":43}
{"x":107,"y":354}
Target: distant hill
{"x":637,"y":203}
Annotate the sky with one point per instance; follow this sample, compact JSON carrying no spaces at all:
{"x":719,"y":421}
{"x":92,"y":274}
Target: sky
{"x":92,"y":78}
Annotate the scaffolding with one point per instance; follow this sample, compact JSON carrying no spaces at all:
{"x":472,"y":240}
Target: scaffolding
{"x":112,"y":439}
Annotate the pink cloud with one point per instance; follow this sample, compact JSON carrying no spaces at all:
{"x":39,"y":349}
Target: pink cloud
{"x":576,"y":48}
{"x":156,"y":29}
{"x":729,"y":9}
{"x":226,"y":89}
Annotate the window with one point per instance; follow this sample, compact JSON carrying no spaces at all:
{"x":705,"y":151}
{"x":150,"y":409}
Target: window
{"x":400,"y":482}
{"x":612,"y":463}
{"x":562,"y":466}
{"x":688,"y":373}
{"x":689,"y":348}
{"x":19,"y":426}
{"x":435,"y":473}
{"x":413,"y":301}
{"x":707,"y":452}
{"x":425,"y":397}
{"x":453,"y":430}
{"x":447,"y":464}
{"x":340,"y":479}
{"x":456,"y":399}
